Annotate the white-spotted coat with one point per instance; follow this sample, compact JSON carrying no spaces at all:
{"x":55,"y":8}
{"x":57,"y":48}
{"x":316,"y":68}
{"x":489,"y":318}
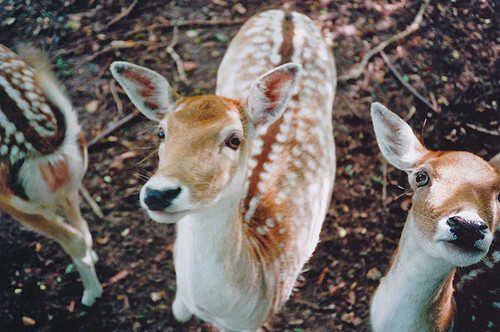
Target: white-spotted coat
{"x":247,"y":174}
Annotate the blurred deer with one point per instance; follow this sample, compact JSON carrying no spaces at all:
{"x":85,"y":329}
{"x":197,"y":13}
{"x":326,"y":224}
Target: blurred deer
{"x":247,"y":174}
{"x":43,"y":158}
{"x":455,"y":211}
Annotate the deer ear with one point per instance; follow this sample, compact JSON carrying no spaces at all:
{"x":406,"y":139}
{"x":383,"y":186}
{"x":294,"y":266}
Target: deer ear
{"x":148,"y":90}
{"x":495,"y":161}
{"x":396,"y":139}
{"x":271,"y":92}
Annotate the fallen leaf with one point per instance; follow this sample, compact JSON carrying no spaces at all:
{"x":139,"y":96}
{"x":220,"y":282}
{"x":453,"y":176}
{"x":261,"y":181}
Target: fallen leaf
{"x":350,"y":318}
{"x":102,"y":240}
{"x":374,"y":274}
{"x":335,"y":289}
{"x":351,"y":297}
{"x":189,"y":66}
{"x":92,"y":106}
{"x":28,"y":321}
{"x":155,"y":296}
{"x":71,"y":306}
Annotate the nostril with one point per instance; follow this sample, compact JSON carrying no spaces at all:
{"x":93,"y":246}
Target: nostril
{"x":171,"y":193}
{"x":482,"y":226}
{"x":159,"y":200}
{"x":454,"y":223}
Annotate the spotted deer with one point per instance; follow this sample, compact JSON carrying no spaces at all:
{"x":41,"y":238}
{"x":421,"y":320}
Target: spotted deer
{"x":246,"y":174}
{"x":43,"y":158}
{"x":455,"y":211}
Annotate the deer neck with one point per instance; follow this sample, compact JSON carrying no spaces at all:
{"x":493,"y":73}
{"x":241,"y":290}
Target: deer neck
{"x":417,"y":292}
{"x":211,"y":252}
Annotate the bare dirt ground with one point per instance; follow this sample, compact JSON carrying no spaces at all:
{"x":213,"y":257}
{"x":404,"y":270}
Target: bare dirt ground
{"x":452,"y":60}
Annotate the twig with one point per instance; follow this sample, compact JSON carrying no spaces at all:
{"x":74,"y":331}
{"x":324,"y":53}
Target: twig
{"x":110,"y":129}
{"x":122,"y":14}
{"x":384,"y":189}
{"x":112,"y":47}
{"x":483,"y":130}
{"x":88,"y":198}
{"x":178,"y":61}
{"x":405,"y":84}
{"x":312,"y":305}
{"x":114,"y":93}
{"x":359,"y":69}
{"x":192,"y":23}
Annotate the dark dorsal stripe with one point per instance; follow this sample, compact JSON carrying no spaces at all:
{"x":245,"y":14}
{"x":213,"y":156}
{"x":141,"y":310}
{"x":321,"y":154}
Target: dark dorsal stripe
{"x":286,"y":49}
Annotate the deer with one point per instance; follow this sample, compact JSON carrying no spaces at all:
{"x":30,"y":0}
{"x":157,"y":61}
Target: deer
{"x":450,"y":227}
{"x":246,"y":174}
{"x":43,"y":158}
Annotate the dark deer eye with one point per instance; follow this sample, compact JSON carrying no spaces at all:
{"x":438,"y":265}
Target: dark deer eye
{"x":422,"y":179}
{"x":161,"y":133}
{"x":233,"y":141}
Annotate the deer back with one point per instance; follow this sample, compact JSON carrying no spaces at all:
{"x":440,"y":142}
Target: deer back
{"x":291,"y":163}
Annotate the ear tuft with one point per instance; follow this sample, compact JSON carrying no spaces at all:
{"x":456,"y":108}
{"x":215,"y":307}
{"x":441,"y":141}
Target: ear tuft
{"x":396,"y":139}
{"x":148,"y":90}
{"x":271,"y":92}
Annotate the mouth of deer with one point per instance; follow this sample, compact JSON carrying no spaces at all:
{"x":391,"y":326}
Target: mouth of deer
{"x":466,"y":247}
{"x":167,"y":213}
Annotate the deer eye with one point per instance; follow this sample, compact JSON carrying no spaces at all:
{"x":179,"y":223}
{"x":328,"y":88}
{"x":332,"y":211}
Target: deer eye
{"x":233,"y":141}
{"x":161,"y":133}
{"x":422,"y":178}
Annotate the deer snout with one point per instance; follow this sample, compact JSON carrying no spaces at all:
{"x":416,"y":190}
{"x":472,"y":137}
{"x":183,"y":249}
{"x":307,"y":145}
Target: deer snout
{"x":467,"y":232}
{"x":160,"y":199}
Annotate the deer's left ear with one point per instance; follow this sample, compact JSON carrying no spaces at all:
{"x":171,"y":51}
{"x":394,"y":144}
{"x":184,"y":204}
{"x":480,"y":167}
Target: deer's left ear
{"x":148,"y":90}
{"x":271,"y":92}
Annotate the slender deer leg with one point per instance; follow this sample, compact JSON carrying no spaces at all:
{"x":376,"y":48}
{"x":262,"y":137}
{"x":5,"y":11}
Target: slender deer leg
{"x":72,"y":240}
{"x":179,"y":309}
{"x":72,"y":210}
{"x":43,"y":158}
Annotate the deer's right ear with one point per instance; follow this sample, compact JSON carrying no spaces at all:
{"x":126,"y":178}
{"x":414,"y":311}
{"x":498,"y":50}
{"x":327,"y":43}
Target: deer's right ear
{"x":396,"y":139}
{"x":148,"y":90}
{"x":495,"y":161}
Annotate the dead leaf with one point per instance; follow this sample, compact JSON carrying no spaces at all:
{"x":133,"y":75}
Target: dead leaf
{"x":189,"y":66}
{"x":28,"y":321}
{"x":351,"y":319}
{"x":351,"y":297}
{"x":374,"y":274}
{"x":335,"y":289}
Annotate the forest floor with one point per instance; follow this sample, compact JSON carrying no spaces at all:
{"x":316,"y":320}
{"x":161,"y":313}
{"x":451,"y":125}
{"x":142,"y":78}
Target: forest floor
{"x":452,"y":60}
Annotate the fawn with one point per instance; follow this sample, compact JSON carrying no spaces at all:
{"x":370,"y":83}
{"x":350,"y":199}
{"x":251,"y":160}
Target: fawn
{"x":455,"y":211}
{"x":43,"y":158}
{"x":246,"y":174}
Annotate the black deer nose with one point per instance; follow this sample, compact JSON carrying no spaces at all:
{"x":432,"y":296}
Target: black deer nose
{"x":467,"y":232}
{"x":159,"y":200}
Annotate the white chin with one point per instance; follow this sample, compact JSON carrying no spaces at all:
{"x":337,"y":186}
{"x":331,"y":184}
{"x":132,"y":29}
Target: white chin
{"x":165,"y":218}
{"x":462,"y":258}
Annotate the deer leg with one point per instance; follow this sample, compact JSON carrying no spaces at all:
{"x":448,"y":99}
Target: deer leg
{"x":180,"y":311}
{"x":71,"y":239}
{"x":72,"y":210}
